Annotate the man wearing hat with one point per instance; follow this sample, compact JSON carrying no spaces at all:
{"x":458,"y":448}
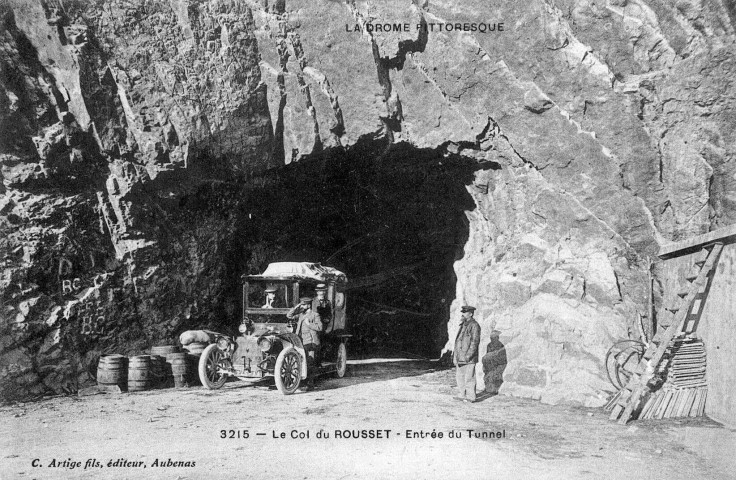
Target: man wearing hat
{"x":308,"y":328}
{"x":270,"y":297}
{"x":465,"y":354}
{"x":321,"y":305}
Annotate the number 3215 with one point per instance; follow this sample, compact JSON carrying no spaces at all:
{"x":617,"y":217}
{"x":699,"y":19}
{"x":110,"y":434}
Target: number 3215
{"x":234,"y":434}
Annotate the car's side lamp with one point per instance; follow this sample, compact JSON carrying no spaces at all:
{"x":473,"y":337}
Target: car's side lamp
{"x":223,"y":344}
{"x":242,"y":328}
{"x":265,"y":344}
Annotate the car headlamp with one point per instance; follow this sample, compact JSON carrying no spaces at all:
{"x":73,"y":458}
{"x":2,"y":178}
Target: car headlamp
{"x":242,"y":328}
{"x":223,"y":343}
{"x":265,"y":344}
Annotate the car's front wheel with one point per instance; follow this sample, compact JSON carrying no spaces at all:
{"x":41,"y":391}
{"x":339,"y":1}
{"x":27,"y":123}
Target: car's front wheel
{"x":209,"y":363}
{"x":287,"y":371}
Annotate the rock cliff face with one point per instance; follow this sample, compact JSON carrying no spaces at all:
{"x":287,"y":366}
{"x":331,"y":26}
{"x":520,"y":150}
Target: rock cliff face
{"x":131,"y":131}
{"x":117,"y":118}
{"x":612,"y":123}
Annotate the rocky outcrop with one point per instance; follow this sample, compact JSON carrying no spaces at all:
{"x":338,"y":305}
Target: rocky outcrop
{"x":115,"y":116}
{"x":610,"y":122}
{"x":129,"y":131}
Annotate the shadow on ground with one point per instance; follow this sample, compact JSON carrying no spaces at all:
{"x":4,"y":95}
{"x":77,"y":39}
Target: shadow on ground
{"x":359,"y":372}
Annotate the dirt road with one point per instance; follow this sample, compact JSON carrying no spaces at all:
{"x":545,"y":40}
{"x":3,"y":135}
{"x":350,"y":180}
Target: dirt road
{"x":141,"y":431}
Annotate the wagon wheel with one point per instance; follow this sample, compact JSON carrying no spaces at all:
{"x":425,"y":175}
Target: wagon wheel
{"x":209,"y":363}
{"x":287,"y":371}
{"x":342,"y":360}
{"x":621,"y":361}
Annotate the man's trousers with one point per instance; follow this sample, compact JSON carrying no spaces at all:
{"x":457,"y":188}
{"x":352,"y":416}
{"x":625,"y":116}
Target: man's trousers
{"x":312,"y":350}
{"x":465,"y":376}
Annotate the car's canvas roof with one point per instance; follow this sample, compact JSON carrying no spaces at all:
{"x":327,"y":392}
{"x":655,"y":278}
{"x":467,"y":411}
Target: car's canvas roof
{"x":301,"y":271}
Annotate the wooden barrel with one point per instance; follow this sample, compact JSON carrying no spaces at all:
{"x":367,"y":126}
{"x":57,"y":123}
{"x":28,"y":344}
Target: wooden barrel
{"x":139,"y":373}
{"x":194,"y":369}
{"x":196,"y":348}
{"x":164,"y":350}
{"x":112,"y":370}
{"x":179,"y":364}
{"x":158,"y":371}
{"x":167,"y":377}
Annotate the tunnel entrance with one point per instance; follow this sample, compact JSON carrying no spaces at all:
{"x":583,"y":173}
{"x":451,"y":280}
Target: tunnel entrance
{"x":393,"y":222}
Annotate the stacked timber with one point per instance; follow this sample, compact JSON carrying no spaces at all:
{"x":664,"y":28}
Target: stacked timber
{"x":685,"y":390}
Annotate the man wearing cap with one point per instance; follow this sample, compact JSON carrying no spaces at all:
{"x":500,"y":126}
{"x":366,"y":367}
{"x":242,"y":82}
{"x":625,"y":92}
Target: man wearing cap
{"x":270,"y":297}
{"x":321,"y":305}
{"x":308,"y":328}
{"x":465,"y":354}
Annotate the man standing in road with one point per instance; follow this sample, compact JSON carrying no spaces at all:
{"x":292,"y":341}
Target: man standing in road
{"x":308,"y":328}
{"x":465,"y":354}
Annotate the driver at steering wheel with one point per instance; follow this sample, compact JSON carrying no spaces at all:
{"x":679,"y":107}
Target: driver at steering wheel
{"x":270,"y":297}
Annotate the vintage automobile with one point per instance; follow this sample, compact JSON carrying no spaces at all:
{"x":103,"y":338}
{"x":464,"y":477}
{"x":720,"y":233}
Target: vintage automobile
{"x":268,"y":344}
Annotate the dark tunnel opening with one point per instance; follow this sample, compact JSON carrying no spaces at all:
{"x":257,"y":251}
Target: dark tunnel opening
{"x":394,"y":222}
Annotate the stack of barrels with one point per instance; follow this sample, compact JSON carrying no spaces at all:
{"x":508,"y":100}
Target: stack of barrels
{"x":166,"y":366}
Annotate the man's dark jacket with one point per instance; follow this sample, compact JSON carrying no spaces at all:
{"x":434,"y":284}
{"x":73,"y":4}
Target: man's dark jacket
{"x":466,"y":343}
{"x":308,"y":326}
{"x":323,"y":309}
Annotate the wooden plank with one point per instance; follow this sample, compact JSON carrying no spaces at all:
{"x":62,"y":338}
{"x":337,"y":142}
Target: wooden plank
{"x":648,"y":406}
{"x":632,"y":403}
{"x":672,"y":404}
{"x":690,"y":402}
{"x":678,"y":403}
{"x":701,"y":410}
{"x":657,"y":400}
{"x":696,"y":404}
{"x":685,"y":401}
{"x":663,"y":406}
{"x":655,"y":406}
{"x":684,"y":247}
{"x":613,"y":401}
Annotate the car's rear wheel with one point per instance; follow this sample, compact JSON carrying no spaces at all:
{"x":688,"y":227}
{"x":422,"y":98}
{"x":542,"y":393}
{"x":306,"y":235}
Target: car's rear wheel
{"x":342,"y":360}
{"x":209,"y":363}
{"x":287,"y":371}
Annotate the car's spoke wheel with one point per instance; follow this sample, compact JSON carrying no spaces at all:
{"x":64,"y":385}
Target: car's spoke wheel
{"x":342,"y":360}
{"x":287,"y":371}
{"x":209,"y":366}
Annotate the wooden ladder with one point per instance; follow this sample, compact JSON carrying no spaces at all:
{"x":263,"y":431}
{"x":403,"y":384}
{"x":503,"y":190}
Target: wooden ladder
{"x":687,"y":313}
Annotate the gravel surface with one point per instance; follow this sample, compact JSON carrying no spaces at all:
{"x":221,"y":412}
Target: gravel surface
{"x":186,"y":425}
